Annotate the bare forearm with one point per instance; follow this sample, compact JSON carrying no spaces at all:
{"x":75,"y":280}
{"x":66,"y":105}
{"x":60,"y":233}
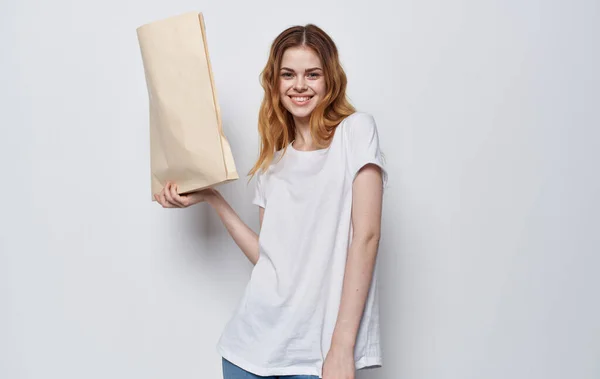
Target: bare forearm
{"x":244,"y":237}
{"x":357,"y":281}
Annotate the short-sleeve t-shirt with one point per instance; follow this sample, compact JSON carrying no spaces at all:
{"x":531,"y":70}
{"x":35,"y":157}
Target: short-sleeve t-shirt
{"x":285,"y":320}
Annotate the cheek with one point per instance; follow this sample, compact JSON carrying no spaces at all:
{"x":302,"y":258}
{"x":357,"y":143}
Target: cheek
{"x":320,"y":87}
{"x":283,"y":86}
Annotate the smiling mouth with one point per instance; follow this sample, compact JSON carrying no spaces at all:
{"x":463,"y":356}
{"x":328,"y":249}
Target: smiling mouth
{"x":300,"y":99}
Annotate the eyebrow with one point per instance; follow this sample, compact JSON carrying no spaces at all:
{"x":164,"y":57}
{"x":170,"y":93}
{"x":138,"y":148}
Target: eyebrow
{"x":308,"y":70}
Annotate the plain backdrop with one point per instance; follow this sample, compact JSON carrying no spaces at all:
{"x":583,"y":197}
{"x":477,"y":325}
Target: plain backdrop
{"x":488,"y":114}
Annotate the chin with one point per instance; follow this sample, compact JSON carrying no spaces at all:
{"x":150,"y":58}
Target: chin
{"x":299,"y":112}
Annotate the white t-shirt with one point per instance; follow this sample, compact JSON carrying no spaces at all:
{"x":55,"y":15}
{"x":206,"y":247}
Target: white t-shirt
{"x":284,"y":322}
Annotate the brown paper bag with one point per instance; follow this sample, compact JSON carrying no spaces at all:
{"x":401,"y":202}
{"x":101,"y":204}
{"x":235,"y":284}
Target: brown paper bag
{"x":187,"y":144}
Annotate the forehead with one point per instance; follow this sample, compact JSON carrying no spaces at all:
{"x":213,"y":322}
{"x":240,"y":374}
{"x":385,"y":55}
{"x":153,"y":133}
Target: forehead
{"x":300,"y":58}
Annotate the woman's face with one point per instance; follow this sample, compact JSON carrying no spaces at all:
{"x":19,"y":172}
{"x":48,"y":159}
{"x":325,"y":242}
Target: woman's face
{"x":302,"y":85}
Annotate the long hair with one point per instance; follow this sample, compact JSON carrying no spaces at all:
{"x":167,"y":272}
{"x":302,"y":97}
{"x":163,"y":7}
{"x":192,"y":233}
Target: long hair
{"x":275,"y":123}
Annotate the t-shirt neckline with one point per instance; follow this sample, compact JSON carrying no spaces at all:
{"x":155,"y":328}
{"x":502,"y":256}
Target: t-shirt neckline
{"x":308,"y":152}
{"x":318,"y":151}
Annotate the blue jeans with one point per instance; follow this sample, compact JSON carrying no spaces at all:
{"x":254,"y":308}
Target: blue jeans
{"x":231,"y":371}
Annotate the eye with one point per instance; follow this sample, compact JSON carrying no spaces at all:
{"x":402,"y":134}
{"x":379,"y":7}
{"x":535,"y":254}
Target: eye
{"x":313,"y":75}
{"x":286,"y":75}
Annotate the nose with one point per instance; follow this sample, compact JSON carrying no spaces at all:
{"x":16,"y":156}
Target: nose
{"x":300,"y":84}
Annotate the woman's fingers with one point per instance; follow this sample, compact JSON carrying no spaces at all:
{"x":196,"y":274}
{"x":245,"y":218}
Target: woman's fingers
{"x":167,"y":193}
{"x":168,"y":197}
{"x":159,"y":200}
{"x":162,"y":200}
{"x":181,"y":200}
{"x":174,"y":196}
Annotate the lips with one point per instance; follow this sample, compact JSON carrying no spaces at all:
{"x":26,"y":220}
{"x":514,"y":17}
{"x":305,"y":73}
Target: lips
{"x":300,"y":100}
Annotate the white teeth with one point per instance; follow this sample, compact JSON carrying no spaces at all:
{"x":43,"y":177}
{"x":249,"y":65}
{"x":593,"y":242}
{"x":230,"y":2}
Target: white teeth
{"x":301,"y":98}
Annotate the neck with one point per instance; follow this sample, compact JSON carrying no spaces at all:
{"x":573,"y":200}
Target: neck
{"x":303,"y":138}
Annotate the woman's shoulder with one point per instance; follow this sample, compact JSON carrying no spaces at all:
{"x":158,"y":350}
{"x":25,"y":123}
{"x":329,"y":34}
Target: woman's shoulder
{"x":358,"y":123}
{"x":358,"y":119}
{"x":359,"y":115}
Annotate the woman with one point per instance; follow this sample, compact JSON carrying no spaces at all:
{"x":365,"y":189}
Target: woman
{"x":310,"y":309}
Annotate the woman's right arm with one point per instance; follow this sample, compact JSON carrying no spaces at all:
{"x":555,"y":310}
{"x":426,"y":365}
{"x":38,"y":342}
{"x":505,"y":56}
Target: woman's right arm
{"x":244,"y":237}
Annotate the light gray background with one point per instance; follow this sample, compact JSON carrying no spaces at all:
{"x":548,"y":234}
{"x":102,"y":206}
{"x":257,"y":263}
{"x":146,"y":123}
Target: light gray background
{"x":488,"y":116}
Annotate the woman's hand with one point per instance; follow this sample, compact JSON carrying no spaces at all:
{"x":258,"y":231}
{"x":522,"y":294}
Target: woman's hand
{"x":339,"y":364}
{"x":169,"y":198}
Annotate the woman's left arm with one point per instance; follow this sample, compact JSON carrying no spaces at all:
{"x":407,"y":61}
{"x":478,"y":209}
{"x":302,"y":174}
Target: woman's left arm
{"x":366,"y":223}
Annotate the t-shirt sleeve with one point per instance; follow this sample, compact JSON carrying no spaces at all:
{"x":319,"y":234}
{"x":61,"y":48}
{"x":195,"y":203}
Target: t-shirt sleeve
{"x":259,"y":190}
{"x":363,"y":145}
